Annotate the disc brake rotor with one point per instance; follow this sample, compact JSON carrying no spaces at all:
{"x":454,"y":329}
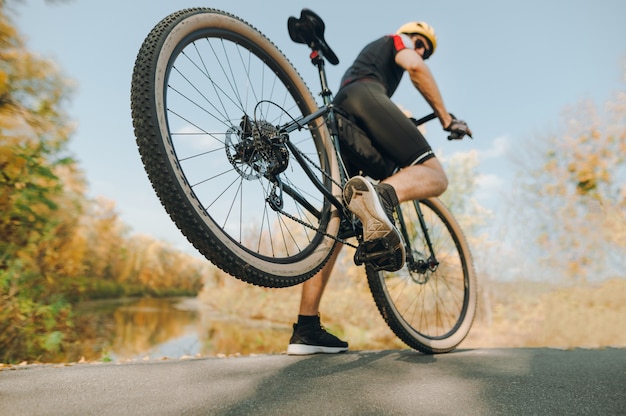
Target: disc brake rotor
{"x":255,"y":149}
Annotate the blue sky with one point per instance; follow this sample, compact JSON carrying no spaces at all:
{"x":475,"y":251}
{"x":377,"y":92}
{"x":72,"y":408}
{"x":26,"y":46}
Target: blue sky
{"x":509,"y":68}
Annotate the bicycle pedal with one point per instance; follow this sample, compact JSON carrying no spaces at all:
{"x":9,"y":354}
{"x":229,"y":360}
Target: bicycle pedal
{"x":371,"y":250}
{"x":379,"y":254}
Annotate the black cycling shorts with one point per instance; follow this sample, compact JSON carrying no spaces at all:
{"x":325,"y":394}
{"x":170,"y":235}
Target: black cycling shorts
{"x":391,"y":132}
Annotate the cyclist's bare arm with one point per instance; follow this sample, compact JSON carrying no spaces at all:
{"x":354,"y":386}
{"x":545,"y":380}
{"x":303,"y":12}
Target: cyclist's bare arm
{"x":423,"y":80}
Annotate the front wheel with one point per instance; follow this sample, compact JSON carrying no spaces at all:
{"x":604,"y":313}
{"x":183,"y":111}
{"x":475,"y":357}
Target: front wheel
{"x":209,"y":94}
{"x":429,"y":304}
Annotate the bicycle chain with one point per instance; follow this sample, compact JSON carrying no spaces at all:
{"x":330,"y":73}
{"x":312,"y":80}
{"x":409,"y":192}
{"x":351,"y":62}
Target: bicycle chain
{"x":298,"y":220}
{"x":312,"y":162}
{"x":325,"y":234}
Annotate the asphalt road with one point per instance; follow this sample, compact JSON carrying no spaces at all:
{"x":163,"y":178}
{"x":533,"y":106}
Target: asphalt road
{"x":466,"y":382}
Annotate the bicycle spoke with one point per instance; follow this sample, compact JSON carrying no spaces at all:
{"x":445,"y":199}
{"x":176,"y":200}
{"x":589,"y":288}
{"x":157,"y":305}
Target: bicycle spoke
{"x":209,"y":95}
{"x":191,"y":104}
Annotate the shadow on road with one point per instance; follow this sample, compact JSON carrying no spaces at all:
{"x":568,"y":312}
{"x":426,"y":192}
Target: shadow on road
{"x":467,"y":382}
{"x":350,"y":383}
{"x":528,"y":381}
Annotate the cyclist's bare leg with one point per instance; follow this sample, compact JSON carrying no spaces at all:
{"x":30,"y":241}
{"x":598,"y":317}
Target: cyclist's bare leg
{"x":309,"y":336}
{"x":419,"y":181}
{"x":313,"y":288}
{"x":382,"y":241}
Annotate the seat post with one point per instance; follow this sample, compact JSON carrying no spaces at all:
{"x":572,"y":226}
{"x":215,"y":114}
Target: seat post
{"x":318,"y":60}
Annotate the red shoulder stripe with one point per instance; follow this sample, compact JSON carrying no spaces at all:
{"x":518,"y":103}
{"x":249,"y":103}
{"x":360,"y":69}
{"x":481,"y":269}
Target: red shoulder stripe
{"x":398,"y":43}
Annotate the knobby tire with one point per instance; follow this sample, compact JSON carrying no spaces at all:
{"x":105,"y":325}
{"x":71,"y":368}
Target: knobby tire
{"x":208,"y":91}
{"x":431,"y":311}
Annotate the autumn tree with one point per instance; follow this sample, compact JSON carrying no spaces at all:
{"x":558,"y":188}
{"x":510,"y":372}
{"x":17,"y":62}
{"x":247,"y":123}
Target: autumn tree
{"x":56,"y":246}
{"x":33,"y":134}
{"x":573,"y":187}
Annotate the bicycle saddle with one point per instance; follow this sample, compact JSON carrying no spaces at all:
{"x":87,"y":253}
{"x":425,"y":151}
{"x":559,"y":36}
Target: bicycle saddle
{"x":309,"y":29}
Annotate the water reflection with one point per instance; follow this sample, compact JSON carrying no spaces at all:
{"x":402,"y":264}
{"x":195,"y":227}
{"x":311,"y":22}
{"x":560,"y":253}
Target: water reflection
{"x":174,"y":327}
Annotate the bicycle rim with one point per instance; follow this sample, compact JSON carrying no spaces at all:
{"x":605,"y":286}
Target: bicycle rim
{"x":430,"y":309}
{"x":219,"y":89}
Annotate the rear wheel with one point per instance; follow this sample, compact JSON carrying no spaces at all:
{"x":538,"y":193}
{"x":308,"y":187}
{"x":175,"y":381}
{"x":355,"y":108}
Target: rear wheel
{"x":208,"y":94}
{"x":431,"y":302}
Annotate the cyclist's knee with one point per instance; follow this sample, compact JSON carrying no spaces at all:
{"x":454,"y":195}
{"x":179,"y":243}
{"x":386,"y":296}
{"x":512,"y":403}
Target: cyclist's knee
{"x":438,"y":177}
{"x":440,"y":183}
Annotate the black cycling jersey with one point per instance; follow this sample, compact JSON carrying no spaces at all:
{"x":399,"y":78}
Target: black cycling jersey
{"x":365,"y":93}
{"x":377,"y":61}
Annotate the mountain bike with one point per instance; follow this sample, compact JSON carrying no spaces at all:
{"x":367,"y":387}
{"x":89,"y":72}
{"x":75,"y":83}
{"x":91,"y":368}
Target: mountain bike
{"x":250,"y":169}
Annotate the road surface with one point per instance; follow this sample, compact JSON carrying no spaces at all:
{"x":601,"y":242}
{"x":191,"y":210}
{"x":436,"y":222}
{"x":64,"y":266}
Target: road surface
{"x":466,"y":382}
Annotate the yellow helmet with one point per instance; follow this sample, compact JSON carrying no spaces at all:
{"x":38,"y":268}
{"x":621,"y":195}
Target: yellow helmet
{"x":421,"y":28}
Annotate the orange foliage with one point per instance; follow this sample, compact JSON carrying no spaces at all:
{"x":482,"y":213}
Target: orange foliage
{"x":56,"y":246}
{"x":577,"y":194}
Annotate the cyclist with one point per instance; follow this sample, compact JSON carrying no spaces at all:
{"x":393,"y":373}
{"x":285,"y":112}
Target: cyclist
{"x":365,"y":93}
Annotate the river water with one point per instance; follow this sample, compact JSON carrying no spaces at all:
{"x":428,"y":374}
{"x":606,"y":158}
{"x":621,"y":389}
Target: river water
{"x":149,"y":328}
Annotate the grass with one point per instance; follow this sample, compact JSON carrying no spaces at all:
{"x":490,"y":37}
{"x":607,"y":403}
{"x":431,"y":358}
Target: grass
{"x":523,"y":314}
{"x":511,"y":314}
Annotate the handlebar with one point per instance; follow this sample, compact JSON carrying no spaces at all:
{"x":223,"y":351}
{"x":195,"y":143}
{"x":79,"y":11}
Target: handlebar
{"x":423,"y":120}
{"x":432,"y":116}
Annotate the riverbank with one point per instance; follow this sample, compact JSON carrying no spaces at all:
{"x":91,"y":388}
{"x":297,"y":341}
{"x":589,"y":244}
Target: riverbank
{"x":237,"y":319}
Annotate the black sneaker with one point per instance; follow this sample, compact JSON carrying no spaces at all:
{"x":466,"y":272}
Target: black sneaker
{"x":313,"y":339}
{"x":365,"y":200}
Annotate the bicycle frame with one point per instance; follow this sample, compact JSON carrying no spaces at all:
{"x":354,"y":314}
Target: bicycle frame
{"x":326,"y":110}
{"x":224,"y":127}
{"x":349,"y":229}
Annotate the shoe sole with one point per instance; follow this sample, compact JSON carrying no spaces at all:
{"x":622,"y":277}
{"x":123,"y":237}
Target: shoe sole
{"x":302,"y":349}
{"x":362,"y":200}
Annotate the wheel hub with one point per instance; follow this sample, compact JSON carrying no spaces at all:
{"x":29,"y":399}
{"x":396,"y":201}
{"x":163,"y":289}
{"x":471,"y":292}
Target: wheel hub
{"x":421,"y":267}
{"x":255,"y":149}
